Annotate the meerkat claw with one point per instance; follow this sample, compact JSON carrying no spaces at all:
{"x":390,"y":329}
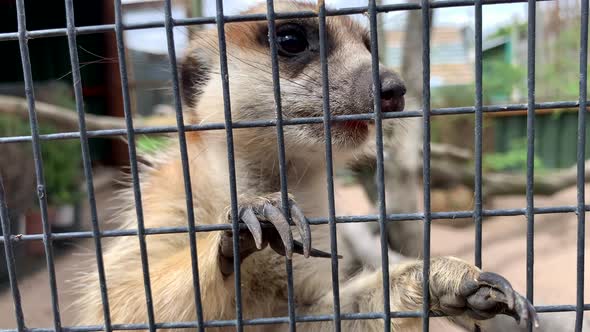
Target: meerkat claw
{"x":248,"y":216}
{"x":524,"y":310}
{"x":257,"y":236}
{"x":276,"y":217}
{"x":278,"y":247}
{"x":303,"y":228}
{"x":491,"y":294}
{"x":298,"y":248}
{"x":500,"y":283}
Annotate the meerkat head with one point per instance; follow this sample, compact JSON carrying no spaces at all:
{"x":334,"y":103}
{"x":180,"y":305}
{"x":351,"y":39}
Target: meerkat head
{"x":251,"y":84}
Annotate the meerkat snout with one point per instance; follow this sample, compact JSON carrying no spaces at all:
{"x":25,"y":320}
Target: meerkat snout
{"x":392,"y":92}
{"x":392,"y":89}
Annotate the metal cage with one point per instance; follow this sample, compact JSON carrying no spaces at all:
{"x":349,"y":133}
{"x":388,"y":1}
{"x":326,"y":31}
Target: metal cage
{"x":372,"y":10}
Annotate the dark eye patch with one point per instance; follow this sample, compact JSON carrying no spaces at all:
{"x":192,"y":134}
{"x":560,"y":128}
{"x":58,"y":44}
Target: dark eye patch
{"x":367,"y":40}
{"x":291,"y":32}
{"x":291,"y":40}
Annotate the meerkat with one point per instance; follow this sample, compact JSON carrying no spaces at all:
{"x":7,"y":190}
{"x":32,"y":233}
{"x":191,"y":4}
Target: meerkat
{"x":457,"y":288}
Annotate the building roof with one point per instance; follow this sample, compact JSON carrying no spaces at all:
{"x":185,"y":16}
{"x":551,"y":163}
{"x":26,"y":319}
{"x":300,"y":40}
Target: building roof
{"x":451,"y":54}
{"x":494,"y":42}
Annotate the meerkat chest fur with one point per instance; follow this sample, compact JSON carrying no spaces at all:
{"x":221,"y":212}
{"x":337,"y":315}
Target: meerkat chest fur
{"x":305,"y":175}
{"x":258,"y":172}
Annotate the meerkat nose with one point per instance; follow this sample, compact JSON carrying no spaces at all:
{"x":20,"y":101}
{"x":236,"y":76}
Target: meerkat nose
{"x":392,"y":89}
{"x":392,"y":94}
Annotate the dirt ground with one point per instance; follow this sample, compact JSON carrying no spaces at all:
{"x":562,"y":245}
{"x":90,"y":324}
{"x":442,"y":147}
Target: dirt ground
{"x":504,"y":251}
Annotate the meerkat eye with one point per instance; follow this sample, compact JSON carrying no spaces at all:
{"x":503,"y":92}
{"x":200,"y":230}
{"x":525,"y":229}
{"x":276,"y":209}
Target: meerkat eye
{"x":291,"y":40}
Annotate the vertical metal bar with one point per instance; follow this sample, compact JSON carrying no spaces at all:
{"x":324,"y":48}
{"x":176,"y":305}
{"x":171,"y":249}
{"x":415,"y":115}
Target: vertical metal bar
{"x":478,"y":133}
{"x":426,"y":160}
{"x":220,"y":21}
{"x":86,"y":159}
{"x":477,"y":211}
{"x":36,"y":143}
{"x":530,"y":215}
{"x":169,"y":26}
{"x":10,"y":263}
{"x":133,"y":163}
{"x":329,"y":161}
{"x":372,"y":10}
{"x":270,"y":14}
{"x":581,"y":165}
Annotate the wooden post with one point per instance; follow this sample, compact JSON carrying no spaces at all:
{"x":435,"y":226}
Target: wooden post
{"x":114,"y":96}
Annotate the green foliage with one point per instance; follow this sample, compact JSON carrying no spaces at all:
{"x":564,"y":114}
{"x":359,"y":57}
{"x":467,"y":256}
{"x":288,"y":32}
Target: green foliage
{"x":557,"y":70}
{"x":62,"y":165}
{"x":11,"y":126}
{"x":520,"y":27}
{"x":149,"y":144}
{"x":500,"y":79}
{"x":558,"y":77}
{"x":512,"y":160}
{"x":453,"y":96}
{"x":61,"y":160}
{"x":450,"y":96}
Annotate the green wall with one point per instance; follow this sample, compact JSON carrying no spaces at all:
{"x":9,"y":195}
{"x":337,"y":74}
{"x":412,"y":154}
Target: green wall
{"x":555,"y":136}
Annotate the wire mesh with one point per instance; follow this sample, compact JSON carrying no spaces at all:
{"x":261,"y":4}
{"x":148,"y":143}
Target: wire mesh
{"x":372,"y":10}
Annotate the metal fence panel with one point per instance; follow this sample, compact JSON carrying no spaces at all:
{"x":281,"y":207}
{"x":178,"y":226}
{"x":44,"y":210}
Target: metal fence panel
{"x":372,"y":10}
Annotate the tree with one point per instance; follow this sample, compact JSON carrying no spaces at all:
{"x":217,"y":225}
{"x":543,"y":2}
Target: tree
{"x":402,"y":142}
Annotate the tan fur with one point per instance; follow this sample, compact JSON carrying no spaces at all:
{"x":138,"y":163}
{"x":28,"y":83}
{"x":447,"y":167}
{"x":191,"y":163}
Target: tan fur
{"x":264,"y":291}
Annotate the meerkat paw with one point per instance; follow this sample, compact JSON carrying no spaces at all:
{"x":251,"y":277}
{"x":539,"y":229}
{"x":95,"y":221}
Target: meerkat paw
{"x":267,"y":209}
{"x":486,"y":296}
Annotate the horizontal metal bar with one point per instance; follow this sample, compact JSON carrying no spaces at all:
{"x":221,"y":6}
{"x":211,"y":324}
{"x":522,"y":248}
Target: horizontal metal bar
{"x":222,"y":323}
{"x":292,"y":122}
{"x":278,"y":320}
{"x":91,"y":29}
{"x":313,"y":221}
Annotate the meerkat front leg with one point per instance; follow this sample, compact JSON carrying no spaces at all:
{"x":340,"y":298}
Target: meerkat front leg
{"x":461,"y":290}
{"x":457,"y":289}
{"x":253,"y":210}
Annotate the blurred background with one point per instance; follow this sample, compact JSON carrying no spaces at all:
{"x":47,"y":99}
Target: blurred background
{"x":452,"y":85}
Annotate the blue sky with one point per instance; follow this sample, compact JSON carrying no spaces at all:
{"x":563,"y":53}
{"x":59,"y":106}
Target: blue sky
{"x":153,"y":40}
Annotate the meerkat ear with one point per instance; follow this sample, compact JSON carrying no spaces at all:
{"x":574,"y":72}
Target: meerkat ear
{"x":194,"y":74}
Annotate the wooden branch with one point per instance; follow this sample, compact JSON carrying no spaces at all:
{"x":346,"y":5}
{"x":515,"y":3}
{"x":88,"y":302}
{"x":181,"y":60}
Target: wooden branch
{"x":447,"y":151}
{"x":448,"y":164}
{"x":449,"y":167}
{"x":545,"y":183}
{"x":67,"y":119}
{"x":502,"y":183}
